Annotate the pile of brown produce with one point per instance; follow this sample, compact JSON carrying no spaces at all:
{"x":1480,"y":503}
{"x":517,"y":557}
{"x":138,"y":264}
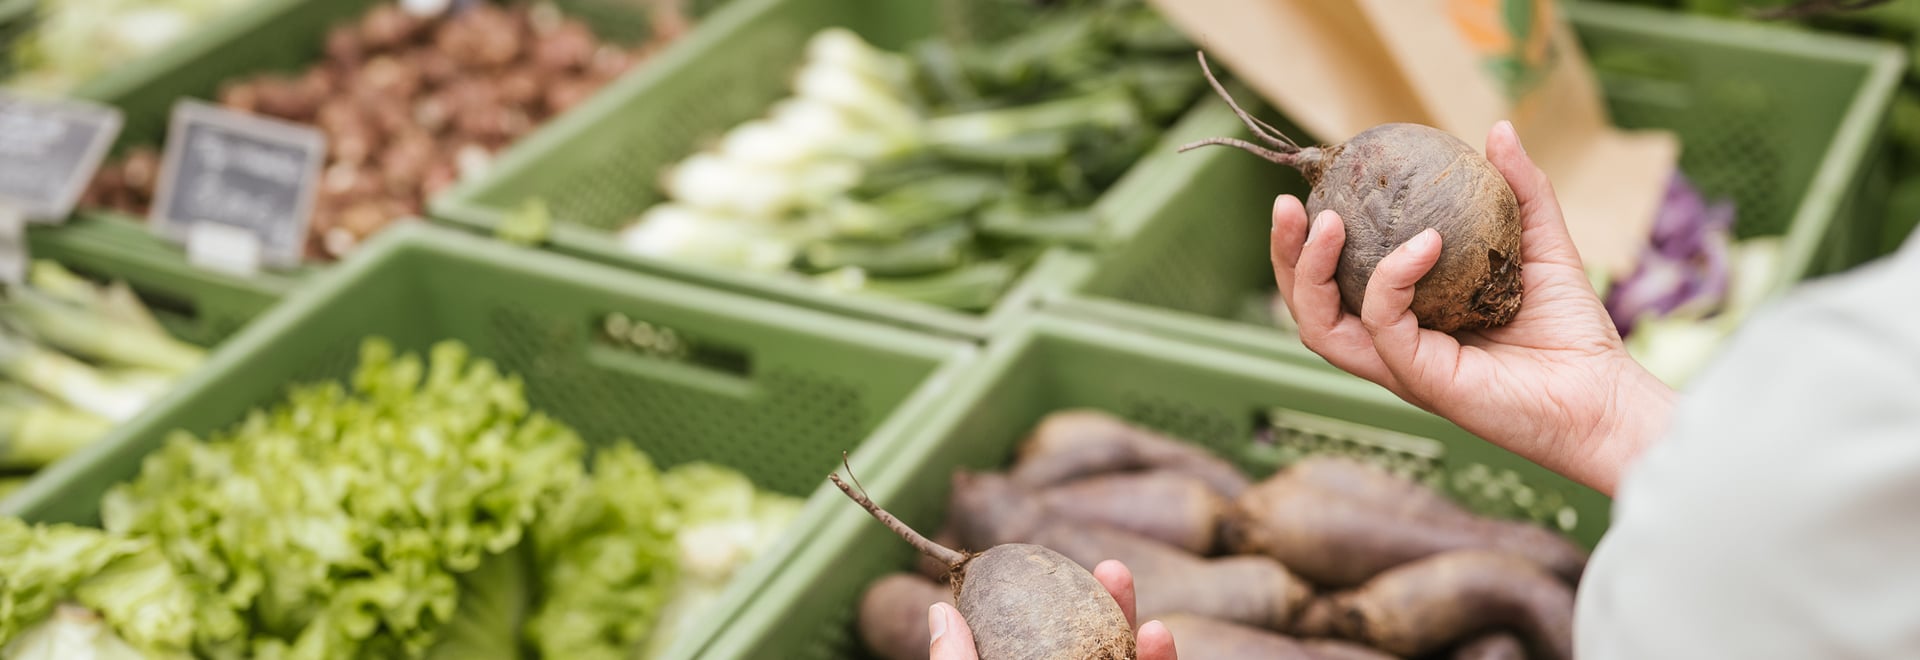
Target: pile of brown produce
{"x":410,"y":105}
{"x":1327,"y":559}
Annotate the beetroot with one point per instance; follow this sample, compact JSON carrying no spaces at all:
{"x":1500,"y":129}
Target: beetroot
{"x":1023,"y":601}
{"x":1390,"y":183}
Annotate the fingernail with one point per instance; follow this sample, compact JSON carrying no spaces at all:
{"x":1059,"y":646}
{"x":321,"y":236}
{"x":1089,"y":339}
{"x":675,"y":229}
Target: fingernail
{"x":1427,"y":239}
{"x":1514,"y":133}
{"x":937,"y":621}
{"x":1319,"y":224}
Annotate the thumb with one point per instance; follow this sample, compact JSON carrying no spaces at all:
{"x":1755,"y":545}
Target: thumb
{"x":1543,"y":225}
{"x":952,"y":640}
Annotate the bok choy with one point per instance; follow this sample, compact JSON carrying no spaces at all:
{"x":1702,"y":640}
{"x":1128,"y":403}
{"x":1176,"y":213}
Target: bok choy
{"x":934,"y":174}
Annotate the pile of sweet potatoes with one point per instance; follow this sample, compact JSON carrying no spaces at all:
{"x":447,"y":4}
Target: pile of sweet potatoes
{"x":1328,"y":558}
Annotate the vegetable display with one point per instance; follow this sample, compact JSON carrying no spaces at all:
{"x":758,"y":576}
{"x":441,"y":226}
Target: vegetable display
{"x":419,"y":509}
{"x":1368,"y":565}
{"x":933,"y":175}
{"x":410,"y":106}
{"x":74,"y":41}
{"x":1389,"y":184}
{"x":76,"y":358}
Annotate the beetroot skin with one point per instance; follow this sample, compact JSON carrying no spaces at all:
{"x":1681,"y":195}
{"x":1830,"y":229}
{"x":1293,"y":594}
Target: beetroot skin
{"x":1393,"y":181}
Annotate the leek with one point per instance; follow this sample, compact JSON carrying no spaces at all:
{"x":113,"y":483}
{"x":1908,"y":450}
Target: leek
{"x":71,"y":381}
{"x":95,"y":337}
{"x":33,"y":437}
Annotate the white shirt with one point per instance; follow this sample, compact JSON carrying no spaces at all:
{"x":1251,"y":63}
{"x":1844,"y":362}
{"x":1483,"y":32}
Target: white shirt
{"x":1780,"y":517}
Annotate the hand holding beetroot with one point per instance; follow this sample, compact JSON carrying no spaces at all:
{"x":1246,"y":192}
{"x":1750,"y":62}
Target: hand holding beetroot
{"x":1555,"y":384}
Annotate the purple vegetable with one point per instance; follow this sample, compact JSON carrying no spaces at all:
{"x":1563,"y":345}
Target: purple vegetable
{"x":1684,"y":268}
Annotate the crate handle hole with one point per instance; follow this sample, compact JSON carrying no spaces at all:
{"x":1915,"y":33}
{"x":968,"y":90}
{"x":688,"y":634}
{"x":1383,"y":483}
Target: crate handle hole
{"x":656,"y":351}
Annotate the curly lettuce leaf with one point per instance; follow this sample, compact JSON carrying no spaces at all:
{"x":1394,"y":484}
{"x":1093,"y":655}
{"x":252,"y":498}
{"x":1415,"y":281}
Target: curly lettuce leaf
{"x":123,"y":583}
{"x":340,"y":522}
{"x":607,"y":560}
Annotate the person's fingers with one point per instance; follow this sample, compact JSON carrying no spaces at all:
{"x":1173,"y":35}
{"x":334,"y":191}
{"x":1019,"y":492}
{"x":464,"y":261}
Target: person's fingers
{"x":1419,"y":360}
{"x":1154,"y":642}
{"x":1119,"y":581}
{"x":1316,"y":299}
{"x":1289,"y":232}
{"x":1543,"y":226}
{"x":952,"y":640}
{"x":1324,"y":325}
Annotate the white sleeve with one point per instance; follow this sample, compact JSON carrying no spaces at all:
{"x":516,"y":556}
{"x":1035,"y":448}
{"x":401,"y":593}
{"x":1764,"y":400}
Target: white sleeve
{"x":1780,"y":517}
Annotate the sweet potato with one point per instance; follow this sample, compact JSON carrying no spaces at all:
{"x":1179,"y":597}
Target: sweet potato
{"x":1341,"y":539}
{"x":1446,"y":599}
{"x":1196,"y":637}
{"x":1170,"y":507}
{"x":989,"y":509}
{"x":1333,"y":649}
{"x":893,"y":615}
{"x":1492,"y":646}
{"x":1071,"y":444}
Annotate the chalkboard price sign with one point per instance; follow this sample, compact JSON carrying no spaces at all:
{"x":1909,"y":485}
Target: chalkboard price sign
{"x":242,"y":172}
{"x":49,"y":150}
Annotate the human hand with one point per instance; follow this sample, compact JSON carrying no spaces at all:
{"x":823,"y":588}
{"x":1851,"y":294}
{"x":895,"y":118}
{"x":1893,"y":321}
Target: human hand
{"x":1555,"y":385}
{"x":952,"y":640}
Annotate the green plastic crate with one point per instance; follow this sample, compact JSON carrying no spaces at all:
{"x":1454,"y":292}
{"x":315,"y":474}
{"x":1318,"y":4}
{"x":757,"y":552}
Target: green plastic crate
{"x":596,"y":168}
{"x":803,"y":386}
{"x":1789,"y":123}
{"x":265,"y":36}
{"x":1216,"y":398}
{"x":198,"y":306}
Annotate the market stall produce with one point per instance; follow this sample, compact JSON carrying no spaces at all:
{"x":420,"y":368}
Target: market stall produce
{"x":72,"y":41}
{"x":1328,"y":549}
{"x":934,"y":174}
{"x":422,"y":508}
{"x":76,"y":358}
{"x":409,"y":106}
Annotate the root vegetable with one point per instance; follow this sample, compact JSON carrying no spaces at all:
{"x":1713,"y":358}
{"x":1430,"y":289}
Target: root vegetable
{"x":1172,"y":508}
{"x":568,"y":47}
{"x":1023,"y":601}
{"x":1434,"y":603}
{"x":1491,"y":646}
{"x":387,"y":26}
{"x":1342,"y":532}
{"x":1196,"y":637}
{"x":1071,"y":444}
{"x":472,"y":77}
{"x":1390,"y":183}
{"x":1333,"y":649}
{"x":344,"y":46}
{"x":893,"y":615}
{"x":989,"y":509}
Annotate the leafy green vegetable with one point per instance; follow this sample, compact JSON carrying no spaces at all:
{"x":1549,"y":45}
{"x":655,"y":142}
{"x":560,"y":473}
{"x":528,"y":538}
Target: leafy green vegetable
{"x":607,"y":560}
{"x":421,"y":509}
{"x":339,"y":523}
{"x":125,"y":580}
{"x":853,"y":181}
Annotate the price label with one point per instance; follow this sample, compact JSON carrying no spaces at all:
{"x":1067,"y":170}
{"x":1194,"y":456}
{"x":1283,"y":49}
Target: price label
{"x":252,"y":176}
{"x":49,"y":150}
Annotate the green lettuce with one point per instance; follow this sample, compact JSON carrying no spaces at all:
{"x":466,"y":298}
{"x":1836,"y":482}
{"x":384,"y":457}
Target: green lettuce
{"x":607,"y":560}
{"x":67,"y":585}
{"x":341,"y":522}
